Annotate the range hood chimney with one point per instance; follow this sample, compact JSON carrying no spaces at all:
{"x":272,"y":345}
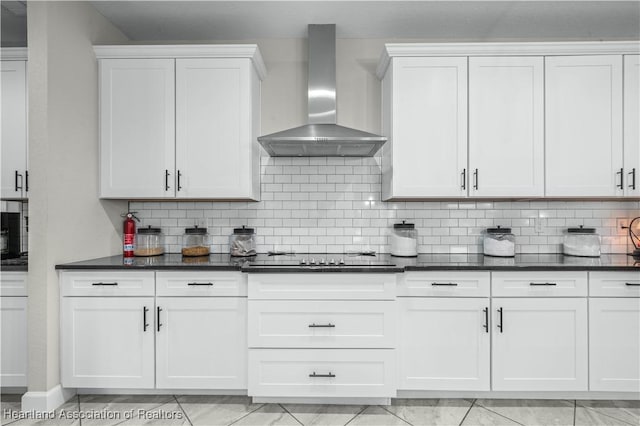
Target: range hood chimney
{"x":322,"y":137}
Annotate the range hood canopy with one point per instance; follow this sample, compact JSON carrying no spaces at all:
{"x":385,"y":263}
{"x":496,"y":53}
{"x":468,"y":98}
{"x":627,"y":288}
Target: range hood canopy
{"x":322,"y":137}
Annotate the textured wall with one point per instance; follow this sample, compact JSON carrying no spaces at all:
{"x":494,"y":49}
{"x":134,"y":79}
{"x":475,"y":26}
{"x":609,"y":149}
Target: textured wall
{"x":333,"y":205}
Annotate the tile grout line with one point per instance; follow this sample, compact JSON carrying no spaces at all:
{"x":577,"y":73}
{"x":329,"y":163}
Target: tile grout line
{"x":79,"y":409}
{"x":606,"y":415}
{"x":288,"y":412}
{"x":395,"y":415}
{"x":575,"y":405}
{"x":247,"y":414}
{"x":473,"y":402}
{"x":501,"y":415}
{"x":183,"y":410}
{"x":357,"y":414}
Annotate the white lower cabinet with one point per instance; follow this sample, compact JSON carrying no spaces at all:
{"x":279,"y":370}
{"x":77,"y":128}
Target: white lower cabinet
{"x":539,"y":344}
{"x":13,"y":341}
{"x":444,"y":344}
{"x":107,"y":342}
{"x":322,"y":373}
{"x":201,"y":343}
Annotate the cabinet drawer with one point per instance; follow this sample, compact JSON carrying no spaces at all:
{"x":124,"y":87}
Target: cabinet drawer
{"x":107,"y":283}
{"x":201,"y":283}
{"x":539,"y":284}
{"x":13,"y":283}
{"x":449,"y":284}
{"x":321,"y":324}
{"x":321,"y":373}
{"x":322,"y":285}
{"x":614,"y":284}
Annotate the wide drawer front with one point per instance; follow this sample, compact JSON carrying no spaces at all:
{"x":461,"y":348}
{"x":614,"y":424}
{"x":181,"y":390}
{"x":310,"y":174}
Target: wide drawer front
{"x":321,"y":324}
{"x":445,"y":283}
{"x":321,"y":285}
{"x":13,"y":283}
{"x":201,"y":283}
{"x":107,"y":283}
{"x":614,"y":284}
{"x":539,"y":284}
{"x":321,"y":372}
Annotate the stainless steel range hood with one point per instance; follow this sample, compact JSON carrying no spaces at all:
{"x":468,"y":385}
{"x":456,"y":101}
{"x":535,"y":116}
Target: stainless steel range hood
{"x":322,"y":137}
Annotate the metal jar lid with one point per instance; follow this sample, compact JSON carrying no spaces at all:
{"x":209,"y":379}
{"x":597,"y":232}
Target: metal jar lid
{"x":243,"y":231}
{"x":149,"y":230}
{"x":404,"y":225}
{"x":195,"y":230}
{"x":498,"y":230}
{"x":581,"y":230}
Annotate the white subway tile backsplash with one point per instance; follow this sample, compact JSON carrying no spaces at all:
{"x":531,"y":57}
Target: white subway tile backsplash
{"x":334,"y":205}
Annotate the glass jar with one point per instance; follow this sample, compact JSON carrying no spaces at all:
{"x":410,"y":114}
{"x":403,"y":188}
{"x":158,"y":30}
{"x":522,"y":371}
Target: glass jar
{"x":242,"y":242}
{"x":581,"y":241}
{"x":149,"y":242}
{"x":404,"y":240}
{"x":195,"y":242}
{"x":499,"y":242}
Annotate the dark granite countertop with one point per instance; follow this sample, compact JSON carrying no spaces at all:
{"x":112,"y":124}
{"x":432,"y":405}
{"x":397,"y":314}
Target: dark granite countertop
{"x":380,"y":263}
{"x":19,"y":264}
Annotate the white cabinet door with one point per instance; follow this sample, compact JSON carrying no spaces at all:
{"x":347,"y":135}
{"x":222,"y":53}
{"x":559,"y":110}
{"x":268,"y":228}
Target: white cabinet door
{"x":444,"y":344}
{"x":216,"y":115}
{"x":137,"y":138}
{"x":539,"y":344}
{"x":506,"y":126}
{"x":13,"y":90}
{"x":13,"y":341}
{"x":583,"y":154}
{"x":201,"y":343}
{"x":106,"y":342}
{"x":614,"y":344}
{"x":632,"y":125}
{"x":425,"y":119}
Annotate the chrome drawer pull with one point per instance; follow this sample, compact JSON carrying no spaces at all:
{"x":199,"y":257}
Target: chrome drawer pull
{"x":104,"y":284}
{"x":314,"y":325}
{"x":195,"y":284}
{"x":322,"y":375}
{"x":633,"y":284}
{"x":445,"y":284}
{"x":543,"y":284}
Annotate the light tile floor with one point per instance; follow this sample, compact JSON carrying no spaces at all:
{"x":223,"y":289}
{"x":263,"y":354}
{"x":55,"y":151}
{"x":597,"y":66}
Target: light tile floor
{"x":239,"y":410}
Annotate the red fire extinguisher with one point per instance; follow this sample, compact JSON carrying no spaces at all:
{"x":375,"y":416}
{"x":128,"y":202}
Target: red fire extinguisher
{"x":129,"y":234}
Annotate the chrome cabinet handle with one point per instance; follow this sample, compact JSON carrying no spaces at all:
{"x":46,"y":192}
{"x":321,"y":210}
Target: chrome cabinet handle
{"x":322,"y":325}
{"x":486,"y":319}
{"x":203,"y":284}
{"x":633,"y":178}
{"x":103,"y":284}
{"x":166,"y":180}
{"x":475,"y":179}
{"x":621,"y":173}
{"x":445,"y":284}
{"x":543,"y":284}
{"x":158,"y":317}
{"x":144,"y":318}
{"x":500,"y":320}
{"x":464,"y":178}
{"x":314,"y":374}
{"x":179,"y":176}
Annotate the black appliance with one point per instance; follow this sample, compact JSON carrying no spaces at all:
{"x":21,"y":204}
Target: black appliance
{"x":10,"y":235}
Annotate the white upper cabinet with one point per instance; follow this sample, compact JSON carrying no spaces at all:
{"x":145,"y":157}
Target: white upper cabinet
{"x":632,"y":125}
{"x":425,"y":120}
{"x":180,"y":121}
{"x":584,"y":126}
{"x":217,"y":117}
{"x":506,"y":126}
{"x":14,"y":128}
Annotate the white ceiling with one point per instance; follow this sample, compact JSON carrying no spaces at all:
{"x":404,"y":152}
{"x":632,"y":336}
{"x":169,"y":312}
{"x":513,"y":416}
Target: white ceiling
{"x":428,"y":20}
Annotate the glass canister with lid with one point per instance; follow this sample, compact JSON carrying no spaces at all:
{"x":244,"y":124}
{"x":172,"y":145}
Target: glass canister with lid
{"x":499,"y":242}
{"x":195,"y":242}
{"x":404,"y":240}
{"x":242,"y":242}
{"x":581,"y":242}
{"x":149,"y":242}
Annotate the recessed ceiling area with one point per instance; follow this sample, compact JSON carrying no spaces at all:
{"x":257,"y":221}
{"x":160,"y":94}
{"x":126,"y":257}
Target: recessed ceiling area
{"x":427,"y":20}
